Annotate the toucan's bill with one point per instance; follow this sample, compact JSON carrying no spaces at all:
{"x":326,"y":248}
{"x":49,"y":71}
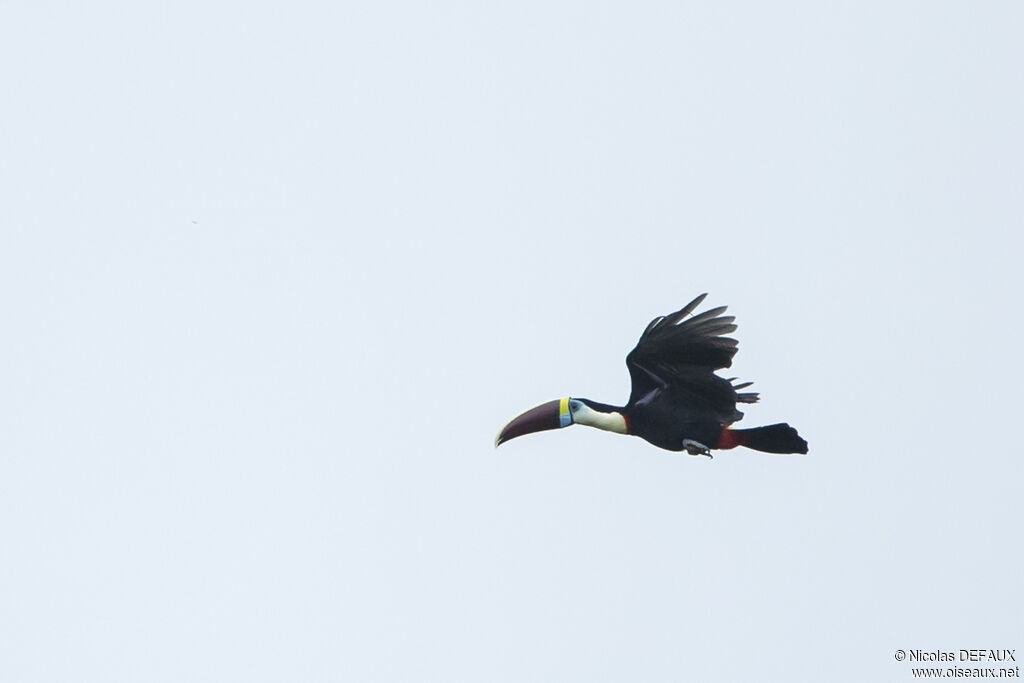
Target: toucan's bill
{"x":550,"y":415}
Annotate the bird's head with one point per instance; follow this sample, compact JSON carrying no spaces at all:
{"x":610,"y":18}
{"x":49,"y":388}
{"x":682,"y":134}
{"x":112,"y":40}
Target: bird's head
{"x":551,"y":415}
{"x":563,"y":412}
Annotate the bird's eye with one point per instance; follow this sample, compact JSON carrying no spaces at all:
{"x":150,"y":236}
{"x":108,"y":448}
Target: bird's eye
{"x":574,"y":406}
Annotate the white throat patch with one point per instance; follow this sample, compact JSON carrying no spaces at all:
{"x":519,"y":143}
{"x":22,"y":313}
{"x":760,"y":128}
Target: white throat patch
{"x":610,"y":422}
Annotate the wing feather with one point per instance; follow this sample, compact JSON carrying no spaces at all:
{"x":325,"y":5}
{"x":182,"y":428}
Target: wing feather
{"x":679,"y":354}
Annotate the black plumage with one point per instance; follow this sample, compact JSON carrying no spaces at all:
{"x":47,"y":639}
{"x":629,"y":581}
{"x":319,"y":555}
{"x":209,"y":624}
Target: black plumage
{"x":676,"y":394}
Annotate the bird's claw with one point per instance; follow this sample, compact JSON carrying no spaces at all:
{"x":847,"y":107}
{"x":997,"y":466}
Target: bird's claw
{"x":696,"y":448}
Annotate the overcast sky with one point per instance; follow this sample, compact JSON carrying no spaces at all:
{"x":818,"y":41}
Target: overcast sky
{"x":273,"y":275}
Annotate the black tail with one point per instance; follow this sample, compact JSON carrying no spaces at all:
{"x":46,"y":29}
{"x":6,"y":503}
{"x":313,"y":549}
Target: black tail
{"x":778,"y":438}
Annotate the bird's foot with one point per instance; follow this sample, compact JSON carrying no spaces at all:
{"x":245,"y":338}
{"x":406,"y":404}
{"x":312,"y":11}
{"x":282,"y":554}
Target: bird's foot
{"x":696,"y":448}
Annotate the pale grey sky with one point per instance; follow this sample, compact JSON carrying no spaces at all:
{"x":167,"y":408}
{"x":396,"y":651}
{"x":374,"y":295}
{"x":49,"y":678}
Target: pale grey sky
{"x":274,"y":275}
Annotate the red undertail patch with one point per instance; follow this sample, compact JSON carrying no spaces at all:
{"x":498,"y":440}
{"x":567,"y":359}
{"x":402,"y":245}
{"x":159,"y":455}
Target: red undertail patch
{"x":729,"y":438}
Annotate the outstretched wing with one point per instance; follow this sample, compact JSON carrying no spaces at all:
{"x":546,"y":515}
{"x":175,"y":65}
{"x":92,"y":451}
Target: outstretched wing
{"x":679,"y":355}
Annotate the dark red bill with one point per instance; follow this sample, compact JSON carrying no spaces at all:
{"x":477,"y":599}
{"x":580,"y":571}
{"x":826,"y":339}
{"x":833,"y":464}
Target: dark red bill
{"x":550,"y":415}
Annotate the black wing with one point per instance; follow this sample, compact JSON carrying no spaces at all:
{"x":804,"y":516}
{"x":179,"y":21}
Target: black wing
{"x":677,"y":357}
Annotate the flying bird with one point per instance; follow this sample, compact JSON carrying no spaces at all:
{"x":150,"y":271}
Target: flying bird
{"x":677,"y":401}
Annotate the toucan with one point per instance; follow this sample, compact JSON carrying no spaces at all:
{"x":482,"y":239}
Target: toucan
{"x":677,"y":401}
